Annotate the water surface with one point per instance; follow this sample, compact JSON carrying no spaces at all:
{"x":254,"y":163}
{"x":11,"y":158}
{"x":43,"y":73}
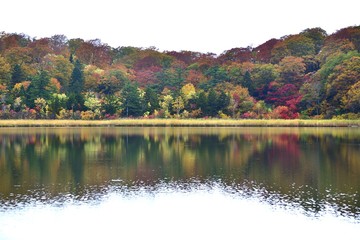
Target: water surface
{"x":99,"y":183}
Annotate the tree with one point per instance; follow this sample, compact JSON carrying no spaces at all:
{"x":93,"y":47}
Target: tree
{"x":317,"y":35}
{"x":351,"y":100}
{"x":178,"y":105}
{"x":5,"y":71}
{"x":311,"y":92}
{"x":201,"y":102}
{"x":76,"y":83}
{"x":223,"y":102}
{"x":132,"y":104}
{"x":216,"y":74}
{"x":283,"y":112}
{"x":56,"y":103}
{"x":166,"y":103}
{"x":212,"y":101}
{"x":39,"y":49}
{"x":299,"y":45}
{"x":240,"y":101}
{"x":111,"y":104}
{"x":340,"y":81}
{"x":263,"y":52}
{"x":59,"y":44}
{"x":292,"y":70}
{"x":38,"y":88}
{"x":151,"y":100}
{"x":17,"y":76}
{"x":248,"y":83}
{"x":60,"y":68}
{"x":262,"y":75}
{"x":93,"y":52}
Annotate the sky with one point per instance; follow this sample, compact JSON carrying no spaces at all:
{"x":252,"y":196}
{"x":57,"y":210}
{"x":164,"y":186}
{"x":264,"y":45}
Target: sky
{"x":194,"y":25}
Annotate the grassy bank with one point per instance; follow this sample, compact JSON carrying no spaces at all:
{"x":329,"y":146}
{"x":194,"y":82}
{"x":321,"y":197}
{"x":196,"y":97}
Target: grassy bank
{"x":181,"y":122}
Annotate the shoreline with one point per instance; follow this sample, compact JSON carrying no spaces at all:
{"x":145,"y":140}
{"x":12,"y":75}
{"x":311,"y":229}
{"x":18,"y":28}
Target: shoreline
{"x":180,"y":123}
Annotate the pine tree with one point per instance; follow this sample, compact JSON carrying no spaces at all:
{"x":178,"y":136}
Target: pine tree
{"x":212,"y":103}
{"x":76,"y":83}
{"x":151,"y":100}
{"x":38,"y":88}
{"x":223,"y":102}
{"x":202,"y":102}
{"x":248,"y":83}
{"x":17,"y":76}
{"x":131,"y":101}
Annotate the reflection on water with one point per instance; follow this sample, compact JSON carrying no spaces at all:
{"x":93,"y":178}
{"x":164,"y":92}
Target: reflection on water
{"x":313,"y":171}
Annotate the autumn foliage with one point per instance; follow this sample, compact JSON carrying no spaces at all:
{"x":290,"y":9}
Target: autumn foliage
{"x":306,"y":75}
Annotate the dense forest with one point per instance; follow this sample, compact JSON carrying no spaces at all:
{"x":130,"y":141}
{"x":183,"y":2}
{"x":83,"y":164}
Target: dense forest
{"x":306,"y":75}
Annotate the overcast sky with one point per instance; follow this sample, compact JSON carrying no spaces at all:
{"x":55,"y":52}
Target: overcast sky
{"x":196,"y":25}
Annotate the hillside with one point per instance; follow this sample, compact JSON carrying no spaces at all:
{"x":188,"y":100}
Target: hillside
{"x":307,"y":75}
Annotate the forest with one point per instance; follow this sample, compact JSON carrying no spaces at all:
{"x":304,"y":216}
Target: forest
{"x":309,"y":75}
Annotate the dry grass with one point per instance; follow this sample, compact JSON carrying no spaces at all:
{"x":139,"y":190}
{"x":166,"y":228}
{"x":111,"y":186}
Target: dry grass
{"x":181,"y":122}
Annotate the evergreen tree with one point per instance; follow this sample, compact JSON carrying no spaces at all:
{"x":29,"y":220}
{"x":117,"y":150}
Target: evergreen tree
{"x":75,"y":102}
{"x":212,"y":103}
{"x":17,"y":76}
{"x":71,"y":58}
{"x":151,"y":100}
{"x":223,"y":102}
{"x":76,"y":83}
{"x":248,"y":83}
{"x":132,"y":103}
{"x":38,"y":88}
{"x":202,"y":102}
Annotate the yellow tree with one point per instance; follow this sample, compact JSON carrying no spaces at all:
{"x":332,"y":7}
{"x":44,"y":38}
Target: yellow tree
{"x":342,"y":78}
{"x":5,"y":71}
{"x":178,"y":105}
{"x":351,"y":100}
{"x":92,"y":77}
{"x":58,"y":67}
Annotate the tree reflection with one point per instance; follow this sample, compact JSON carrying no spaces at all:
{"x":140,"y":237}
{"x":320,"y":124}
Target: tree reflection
{"x":296,"y":163}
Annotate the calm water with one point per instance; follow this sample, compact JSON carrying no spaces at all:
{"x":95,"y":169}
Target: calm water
{"x":176,"y":183}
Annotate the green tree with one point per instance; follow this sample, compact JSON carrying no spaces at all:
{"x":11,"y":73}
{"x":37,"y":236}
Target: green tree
{"x":351,"y":100}
{"x":262,"y":75}
{"x":76,"y":83}
{"x":340,"y":81}
{"x":38,"y":88}
{"x":292,"y":70}
{"x":151,"y":100}
{"x":17,"y":76}
{"x":201,"y":102}
{"x":132,"y":103}
{"x":223,"y":102}
{"x":56,"y":103}
{"x":212,"y":101}
{"x":111,"y":104}
{"x":317,"y":35}
{"x":248,"y":83}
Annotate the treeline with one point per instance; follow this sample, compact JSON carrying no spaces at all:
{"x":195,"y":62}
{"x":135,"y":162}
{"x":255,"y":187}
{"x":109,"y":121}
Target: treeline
{"x":306,"y":75}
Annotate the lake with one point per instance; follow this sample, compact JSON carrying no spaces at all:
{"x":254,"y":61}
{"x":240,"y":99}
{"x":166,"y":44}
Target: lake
{"x":179,"y":183}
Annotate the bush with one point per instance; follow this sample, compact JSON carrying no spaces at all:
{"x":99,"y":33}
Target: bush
{"x":348,"y":116}
{"x":87,"y":115}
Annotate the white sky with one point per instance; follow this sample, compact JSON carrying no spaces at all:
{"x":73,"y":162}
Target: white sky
{"x":196,"y":25}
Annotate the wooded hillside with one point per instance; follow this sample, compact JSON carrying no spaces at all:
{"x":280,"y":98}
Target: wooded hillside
{"x":307,"y":75}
